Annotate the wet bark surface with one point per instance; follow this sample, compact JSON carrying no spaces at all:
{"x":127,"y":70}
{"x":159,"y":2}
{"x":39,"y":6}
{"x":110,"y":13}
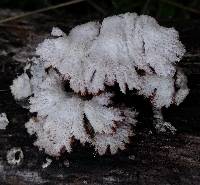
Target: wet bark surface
{"x":150,"y":158}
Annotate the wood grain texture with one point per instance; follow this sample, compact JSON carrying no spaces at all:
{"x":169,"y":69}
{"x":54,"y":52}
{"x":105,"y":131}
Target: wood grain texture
{"x":159,"y":159}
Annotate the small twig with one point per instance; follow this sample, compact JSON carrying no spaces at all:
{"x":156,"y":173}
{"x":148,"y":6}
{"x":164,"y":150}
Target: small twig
{"x":191,"y":55}
{"x":19,"y":27}
{"x":181,"y":6}
{"x":40,"y":11}
{"x":2,"y":90}
{"x":144,"y":10}
{"x":97,"y":7}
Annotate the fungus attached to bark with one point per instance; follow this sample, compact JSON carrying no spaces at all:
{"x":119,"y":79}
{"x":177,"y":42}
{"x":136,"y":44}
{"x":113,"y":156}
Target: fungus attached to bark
{"x":129,"y":50}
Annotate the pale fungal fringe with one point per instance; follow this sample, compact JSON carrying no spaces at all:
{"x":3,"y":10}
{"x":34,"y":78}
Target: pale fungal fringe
{"x":132,"y":51}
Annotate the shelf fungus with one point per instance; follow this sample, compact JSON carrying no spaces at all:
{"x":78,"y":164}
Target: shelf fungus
{"x":68,"y":84}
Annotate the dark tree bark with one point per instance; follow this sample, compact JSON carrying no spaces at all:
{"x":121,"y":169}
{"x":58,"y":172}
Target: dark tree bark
{"x":150,"y":159}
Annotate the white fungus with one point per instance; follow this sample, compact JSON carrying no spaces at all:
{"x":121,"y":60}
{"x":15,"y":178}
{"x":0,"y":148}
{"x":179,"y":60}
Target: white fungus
{"x":47,"y":163}
{"x":57,"y":32}
{"x":95,"y":54}
{"x":21,"y":87}
{"x":15,"y":156}
{"x":61,"y":117}
{"x":129,"y":50}
{"x":3,"y":121}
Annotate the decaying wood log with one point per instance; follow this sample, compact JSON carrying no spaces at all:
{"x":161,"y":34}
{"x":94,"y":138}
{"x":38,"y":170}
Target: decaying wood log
{"x":150,"y":158}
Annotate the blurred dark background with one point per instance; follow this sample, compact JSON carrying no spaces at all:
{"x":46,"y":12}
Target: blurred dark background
{"x":160,"y":9}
